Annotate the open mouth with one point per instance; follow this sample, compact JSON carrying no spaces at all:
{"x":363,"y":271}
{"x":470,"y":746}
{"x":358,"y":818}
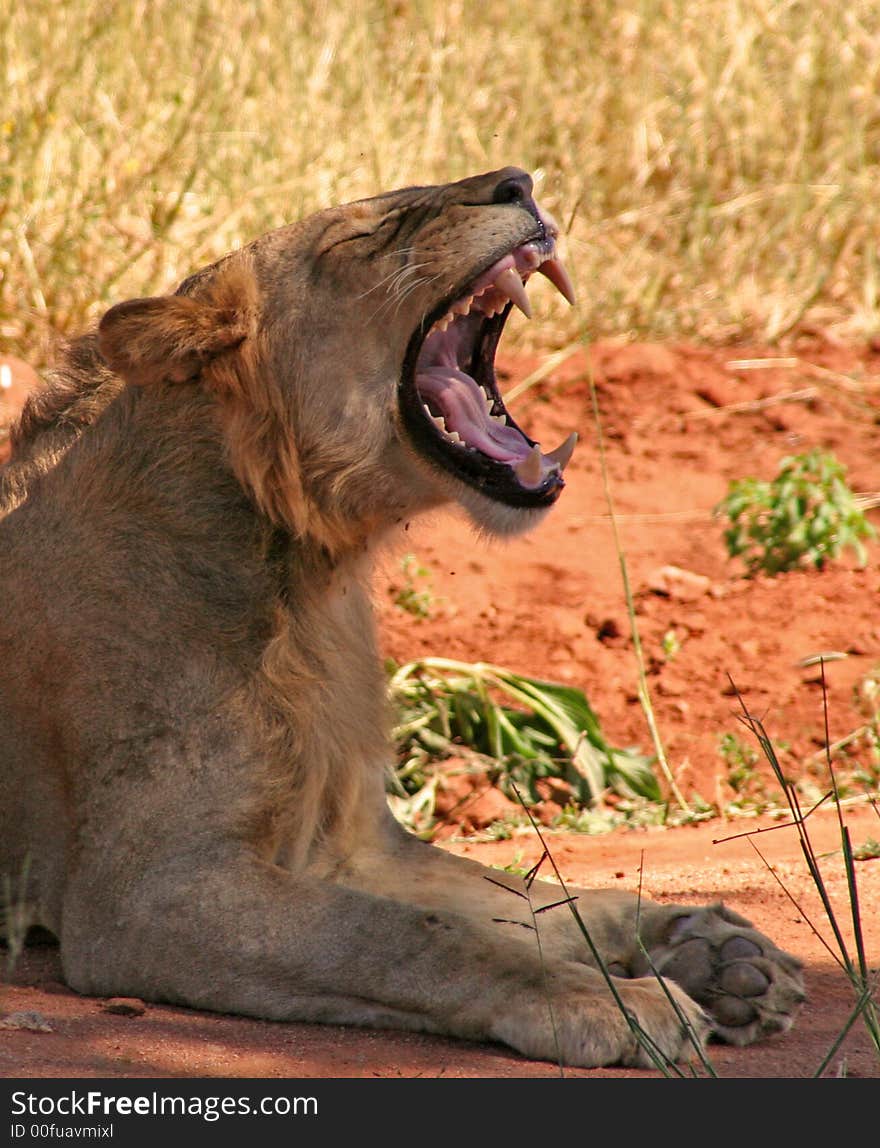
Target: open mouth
{"x":450,"y":400}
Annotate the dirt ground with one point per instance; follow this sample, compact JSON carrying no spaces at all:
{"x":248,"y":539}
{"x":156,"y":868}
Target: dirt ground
{"x":679,"y":422}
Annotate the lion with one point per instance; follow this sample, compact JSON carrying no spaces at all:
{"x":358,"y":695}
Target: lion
{"x":193,"y":726}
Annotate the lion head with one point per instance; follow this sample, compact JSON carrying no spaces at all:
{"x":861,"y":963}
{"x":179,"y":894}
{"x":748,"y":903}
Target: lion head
{"x":352,"y":358}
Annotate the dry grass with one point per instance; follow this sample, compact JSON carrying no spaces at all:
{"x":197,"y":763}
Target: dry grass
{"x":715,"y":165}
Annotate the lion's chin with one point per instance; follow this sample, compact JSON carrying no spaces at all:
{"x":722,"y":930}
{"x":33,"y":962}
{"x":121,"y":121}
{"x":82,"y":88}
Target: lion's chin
{"x":494,"y":519}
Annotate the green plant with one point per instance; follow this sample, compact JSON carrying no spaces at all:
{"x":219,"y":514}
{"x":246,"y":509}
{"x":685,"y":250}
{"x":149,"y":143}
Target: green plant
{"x":670,"y":645}
{"x":740,"y":760}
{"x":446,"y":707}
{"x":414,"y":596}
{"x":504,"y":828}
{"x":805,"y":516}
{"x":869,"y":850}
{"x":857,"y":753}
{"x":515,"y":866}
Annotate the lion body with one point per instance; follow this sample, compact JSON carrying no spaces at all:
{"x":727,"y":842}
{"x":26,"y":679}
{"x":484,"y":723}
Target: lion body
{"x":193,"y":732}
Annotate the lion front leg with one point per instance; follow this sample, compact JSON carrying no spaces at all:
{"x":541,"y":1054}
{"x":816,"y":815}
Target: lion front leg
{"x":242,"y":936}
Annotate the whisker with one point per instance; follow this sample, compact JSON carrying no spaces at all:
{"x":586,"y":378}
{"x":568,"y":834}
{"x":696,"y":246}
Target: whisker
{"x":423,"y":281}
{"x":402,"y":289}
{"x":391,"y":274}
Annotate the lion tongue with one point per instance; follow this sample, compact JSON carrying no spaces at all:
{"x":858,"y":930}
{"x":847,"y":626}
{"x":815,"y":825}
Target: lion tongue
{"x":465,"y":412}
{"x":463,"y":405}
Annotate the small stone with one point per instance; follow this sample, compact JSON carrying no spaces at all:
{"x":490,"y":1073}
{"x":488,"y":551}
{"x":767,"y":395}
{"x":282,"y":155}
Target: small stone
{"x":608,"y":629}
{"x":751,"y":648}
{"x":29,"y":1021}
{"x":57,"y":988}
{"x":719,"y":393}
{"x":682,"y":585}
{"x":671,"y":687}
{"x":124,"y":1006}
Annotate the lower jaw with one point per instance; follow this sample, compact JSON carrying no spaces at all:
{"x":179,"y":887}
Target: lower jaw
{"x":500,"y":519}
{"x":483,"y":504}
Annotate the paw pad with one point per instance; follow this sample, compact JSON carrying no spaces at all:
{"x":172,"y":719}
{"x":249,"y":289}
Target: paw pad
{"x":749,"y":987}
{"x":690,"y":965}
{"x":744,"y":980}
{"x":739,"y":948}
{"x":734,"y":1012}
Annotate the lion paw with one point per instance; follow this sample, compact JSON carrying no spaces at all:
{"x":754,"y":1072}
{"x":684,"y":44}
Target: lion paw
{"x":673,"y":1024}
{"x":575,"y":1020}
{"x":748,"y":987}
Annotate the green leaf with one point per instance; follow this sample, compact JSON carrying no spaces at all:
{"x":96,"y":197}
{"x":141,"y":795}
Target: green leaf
{"x":805,"y":516}
{"x":550,"y":730}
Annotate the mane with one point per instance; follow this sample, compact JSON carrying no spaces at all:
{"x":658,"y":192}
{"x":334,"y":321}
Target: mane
{"x":53,"y":418}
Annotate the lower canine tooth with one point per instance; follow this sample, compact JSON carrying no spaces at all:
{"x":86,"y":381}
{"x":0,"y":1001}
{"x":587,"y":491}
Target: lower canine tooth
{"x":563,"y":453}
{"x":531,"y":470}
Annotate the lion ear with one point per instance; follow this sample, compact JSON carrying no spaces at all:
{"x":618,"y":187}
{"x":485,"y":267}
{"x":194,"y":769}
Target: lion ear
{"x":171,"y":337}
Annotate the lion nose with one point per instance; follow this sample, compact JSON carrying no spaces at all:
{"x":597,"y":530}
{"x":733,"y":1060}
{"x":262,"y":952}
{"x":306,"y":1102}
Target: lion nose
{"x":514,"y":189}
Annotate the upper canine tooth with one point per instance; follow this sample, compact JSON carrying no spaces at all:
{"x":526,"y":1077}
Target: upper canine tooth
{"x":510,"y":283}
{"x":530,"y":470}
{"x":563,"y":453}
{"x":558,"y":276}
